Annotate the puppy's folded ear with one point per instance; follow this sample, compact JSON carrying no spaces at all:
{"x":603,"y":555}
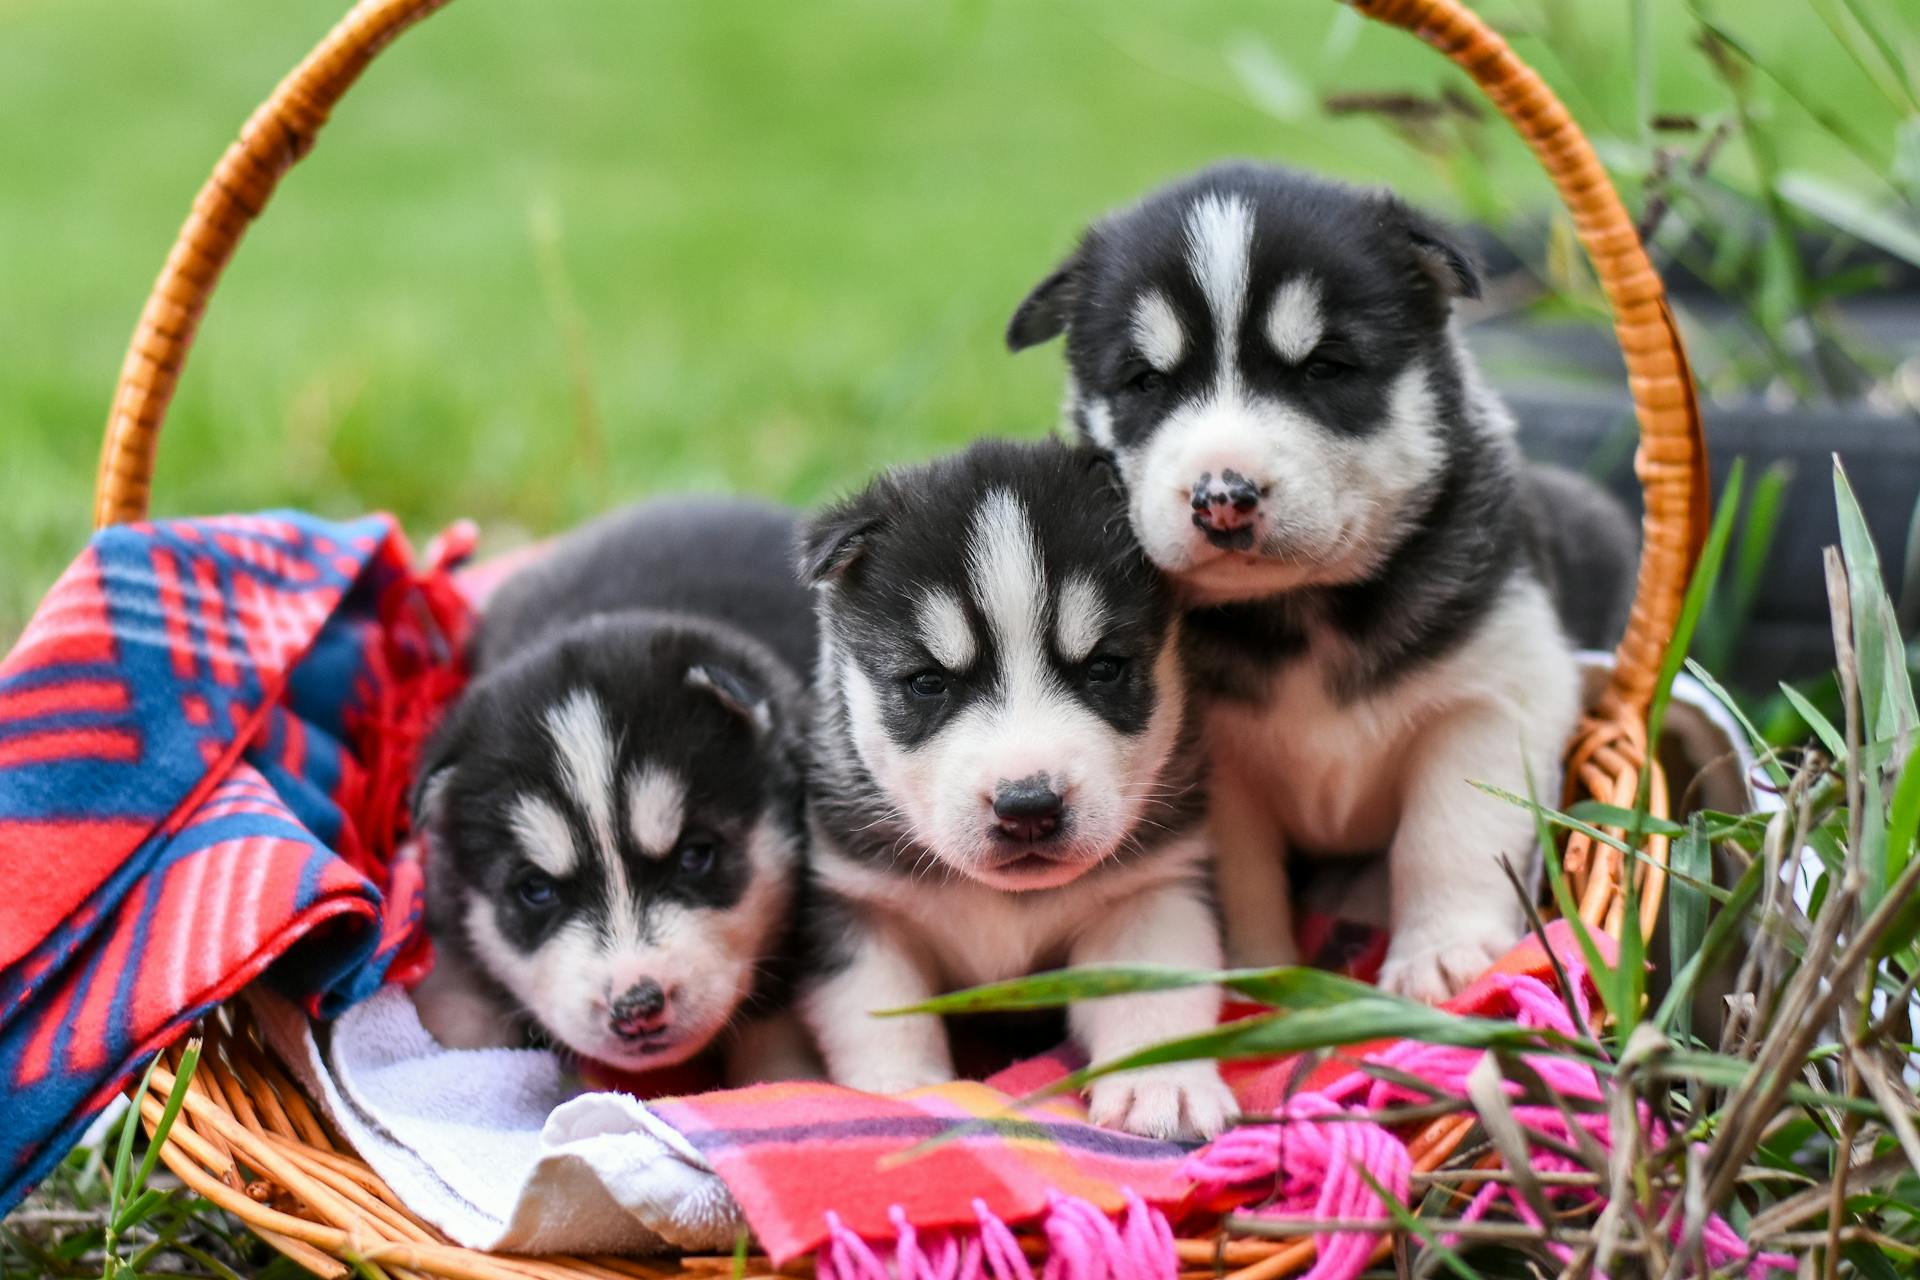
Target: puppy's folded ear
{"x":734,"y":692}
{"x":1438,"y":251}
{"x":832,"y":542}
{"x":428,"y":801}
{"x":1042,"y":314}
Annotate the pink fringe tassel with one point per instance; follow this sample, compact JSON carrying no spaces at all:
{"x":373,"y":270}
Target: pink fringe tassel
{"x":1298,"y":1167}
{"x":1083,"y":1243}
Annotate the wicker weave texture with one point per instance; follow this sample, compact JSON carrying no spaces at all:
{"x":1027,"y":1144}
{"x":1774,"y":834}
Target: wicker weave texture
{"x":250,"y":1143}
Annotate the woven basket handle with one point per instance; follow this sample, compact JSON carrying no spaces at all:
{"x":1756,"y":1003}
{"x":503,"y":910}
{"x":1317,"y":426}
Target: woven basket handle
{"x":274,"y":137}
{"x":1671,"y":461}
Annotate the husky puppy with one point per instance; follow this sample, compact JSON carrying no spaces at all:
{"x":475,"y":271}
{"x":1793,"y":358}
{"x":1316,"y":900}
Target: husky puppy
{"x":1005,"y":777}
{"x":613,"y":807}
{"x":1369,"y":566}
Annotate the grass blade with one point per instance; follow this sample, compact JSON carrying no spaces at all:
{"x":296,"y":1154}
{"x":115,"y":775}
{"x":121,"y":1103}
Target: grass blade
{"x":1687,"y":910}
{"x":1843,"y":210}
{"x":1886,"y":690}
{"x":1720,"y":932}
{"x":1700,"y":587}
{"x":1830,"y":737}
{"x":1284,"y":988}
{"x":176,"y":1098}
{"x":1903,"y":828}
{"x":1600,"y":813}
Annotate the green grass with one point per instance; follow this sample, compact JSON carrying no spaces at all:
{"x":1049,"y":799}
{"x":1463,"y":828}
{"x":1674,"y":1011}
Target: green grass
{"x":550,"y":257}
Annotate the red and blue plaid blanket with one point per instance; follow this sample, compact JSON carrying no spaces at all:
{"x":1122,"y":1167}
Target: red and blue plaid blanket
{"x":204,"y":735}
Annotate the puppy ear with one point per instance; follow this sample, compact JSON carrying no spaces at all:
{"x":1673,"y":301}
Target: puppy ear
{"x":430,"y":787}
{"x":832,"y":542}
{"x":1437,"y":250}
{"x":735,"y":693}
{"x":1042,"y":314}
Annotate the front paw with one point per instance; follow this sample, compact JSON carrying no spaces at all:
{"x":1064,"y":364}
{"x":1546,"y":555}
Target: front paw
{"x":1178,"y":1100}
{"x":1433,"y":968}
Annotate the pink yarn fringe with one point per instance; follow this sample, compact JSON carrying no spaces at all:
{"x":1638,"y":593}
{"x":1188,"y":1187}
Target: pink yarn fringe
{"x":1083,"y":1243}
{"x":1302,"y":1167}
{"x":1298,"y":1167}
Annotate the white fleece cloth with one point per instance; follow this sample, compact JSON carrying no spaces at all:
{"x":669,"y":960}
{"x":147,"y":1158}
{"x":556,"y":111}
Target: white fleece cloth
{"x":495,"y":1147}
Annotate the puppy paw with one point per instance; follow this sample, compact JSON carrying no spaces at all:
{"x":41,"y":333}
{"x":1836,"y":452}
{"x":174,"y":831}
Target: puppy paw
{"x":1179,"y":1100}
{"x":1436,"y":969}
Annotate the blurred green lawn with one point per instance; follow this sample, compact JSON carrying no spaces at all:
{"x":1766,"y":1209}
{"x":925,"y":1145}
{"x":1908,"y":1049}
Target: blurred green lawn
{"x":552,"y":256}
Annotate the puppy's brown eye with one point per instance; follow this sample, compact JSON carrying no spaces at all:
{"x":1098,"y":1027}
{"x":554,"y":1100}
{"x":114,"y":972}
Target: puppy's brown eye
{"x":1146,"y":382}
{"x":1104,"y":670}
{"x":1323,"y":369}
{"x":927,"y":684}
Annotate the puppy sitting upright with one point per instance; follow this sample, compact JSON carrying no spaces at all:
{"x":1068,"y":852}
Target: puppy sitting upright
{"x":1309,"y":451}
{"x":612,"y":809}
{"x":1005,"y":774}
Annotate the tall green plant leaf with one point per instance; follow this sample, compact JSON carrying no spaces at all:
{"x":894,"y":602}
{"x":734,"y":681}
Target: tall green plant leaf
{"x":1903,"y":828}
{"x":1283,"y":988}
{"x":1848,"y":211}
{"x":1830,"y":737}
{"x":1886,"y":690}
{"x":1706,"y":575}
{"x":1687,"y":911}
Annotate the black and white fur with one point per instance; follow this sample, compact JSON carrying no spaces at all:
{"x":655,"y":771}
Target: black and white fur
{"x":1006,"y":777}
{"x":1271,"y":361}
{"x":613,"y":809}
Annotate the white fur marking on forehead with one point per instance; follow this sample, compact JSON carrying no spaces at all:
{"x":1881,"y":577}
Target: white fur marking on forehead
{"x":578,"y":727}
{"x":1157,"y":331}
{"x":1296,"y":324}
{"x":1099,"y":419}
{"x":656,"y":809}
{"x":1008,"y":579}
{"x":1082,"y":618}
{"x":945,"y":631}
{"x":1219,"y":245}
{"x":545,"y":836}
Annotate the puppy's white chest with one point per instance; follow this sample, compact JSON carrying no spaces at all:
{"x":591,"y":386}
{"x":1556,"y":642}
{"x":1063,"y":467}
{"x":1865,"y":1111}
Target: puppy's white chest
{"x":1330,"y":771}
{"x":981,"y":935}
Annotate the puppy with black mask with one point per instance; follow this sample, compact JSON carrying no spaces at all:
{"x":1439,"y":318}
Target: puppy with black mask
{"x":613,"y":808}
{"x":1371,"y":570}
{"x":1005,"y":774}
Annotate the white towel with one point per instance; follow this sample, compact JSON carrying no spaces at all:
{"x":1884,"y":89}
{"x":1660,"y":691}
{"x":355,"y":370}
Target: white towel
{"x":495,"y":1147}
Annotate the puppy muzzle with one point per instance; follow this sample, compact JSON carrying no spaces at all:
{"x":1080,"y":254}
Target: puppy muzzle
{"x":640,"y":1013}
{"x":1226,"y":508}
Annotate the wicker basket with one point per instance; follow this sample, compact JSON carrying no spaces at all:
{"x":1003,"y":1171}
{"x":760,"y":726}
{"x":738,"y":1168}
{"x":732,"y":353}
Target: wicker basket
{"x":250,"y":1143}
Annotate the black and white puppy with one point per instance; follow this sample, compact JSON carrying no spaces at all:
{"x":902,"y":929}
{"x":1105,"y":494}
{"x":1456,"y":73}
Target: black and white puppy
{"x":1271,"y":360}
{"x":613,"y":809}
{"x":1005,"y":774}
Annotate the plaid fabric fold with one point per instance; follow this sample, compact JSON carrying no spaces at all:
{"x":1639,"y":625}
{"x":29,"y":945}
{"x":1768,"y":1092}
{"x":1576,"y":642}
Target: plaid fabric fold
{"x":203,"y":734}
{"x":812,"y":1162}
{"x":818,"y":1168}
{"x":795,"y":1153}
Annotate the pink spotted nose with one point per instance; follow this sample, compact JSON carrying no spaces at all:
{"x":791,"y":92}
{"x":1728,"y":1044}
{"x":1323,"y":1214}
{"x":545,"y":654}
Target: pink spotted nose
{"x":1225,"y":508}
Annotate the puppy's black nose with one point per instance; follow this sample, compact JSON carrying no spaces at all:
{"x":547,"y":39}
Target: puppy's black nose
{"x":1028,"y":809}
{"x":639,"y":1011}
